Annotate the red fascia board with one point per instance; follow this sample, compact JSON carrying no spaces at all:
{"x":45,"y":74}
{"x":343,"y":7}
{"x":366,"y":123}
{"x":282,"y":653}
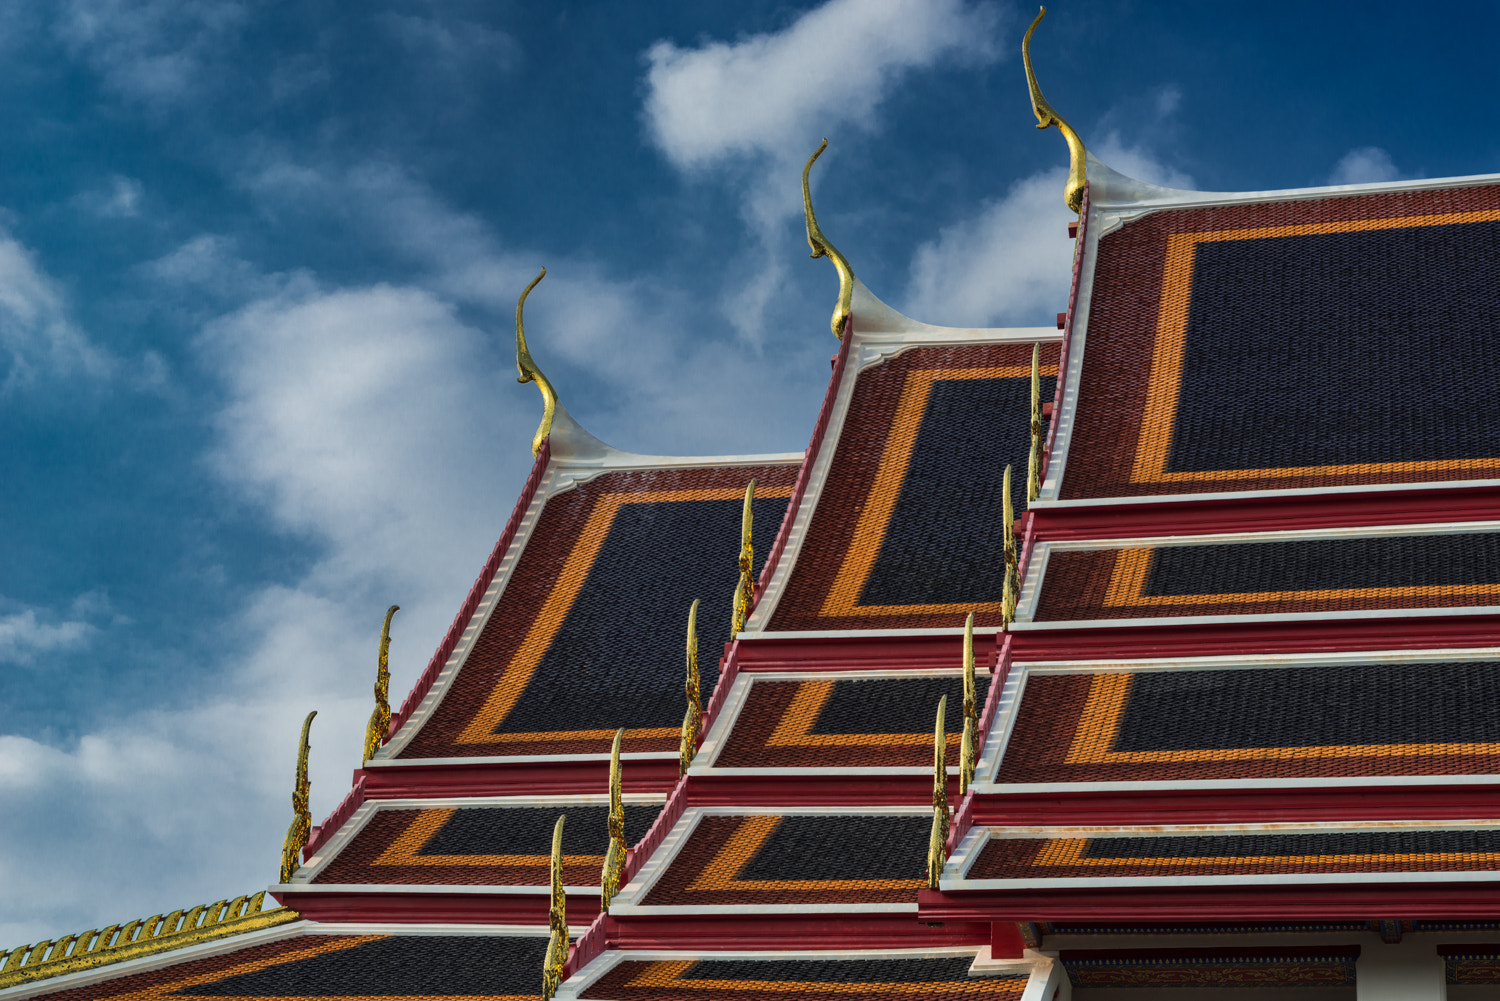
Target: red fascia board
{"x":1262,"y":952}
{"x":1412,"y":632}
{"x":1217,"y":806}
{"x":537,"y":778}
{"x":813,"y":789}
{"x":1410,"y":504}
{"x":790,"y":931}
{"x":843,"y":653}
{"x":1240,"y":902}
{"x":1080,"y":234}
{"x":1469,"y":949}
{"x":435,"y":907}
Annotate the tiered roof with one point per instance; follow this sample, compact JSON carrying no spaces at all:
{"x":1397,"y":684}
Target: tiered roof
{"x":1235,"y":729}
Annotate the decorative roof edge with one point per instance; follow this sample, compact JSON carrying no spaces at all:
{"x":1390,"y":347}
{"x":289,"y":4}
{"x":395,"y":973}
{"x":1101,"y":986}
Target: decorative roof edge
{"x":142,"y":937}
{"x":1121,"y":199}
{"x":876,"y":333}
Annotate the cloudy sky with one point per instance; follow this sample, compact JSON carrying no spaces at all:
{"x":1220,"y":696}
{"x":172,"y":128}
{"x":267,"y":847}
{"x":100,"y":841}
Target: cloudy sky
{"x":258,"y":262}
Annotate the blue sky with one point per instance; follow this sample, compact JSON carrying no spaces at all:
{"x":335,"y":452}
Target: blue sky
{"x":258,"y":262}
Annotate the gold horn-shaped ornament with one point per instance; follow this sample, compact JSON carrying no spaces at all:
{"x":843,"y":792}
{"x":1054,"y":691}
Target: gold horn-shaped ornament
{"x":692,"y":723}
{"x":380,"y":719}
{"x":614,"y":858}
{"x":744,"y":591}
{"x":1034,"y":461}
{"x":968,"y":750}
{"x":1046,"y":117}
{"x":296,"y":835}
{"x":557,"y":918}
{"x":1012,"y":577}
{"x":937,"y":843}
{"x":822,"y":248}
{"x":528,"y":372}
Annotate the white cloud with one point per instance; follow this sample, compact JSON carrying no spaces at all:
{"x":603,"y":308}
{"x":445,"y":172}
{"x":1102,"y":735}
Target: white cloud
{"x":156,"y":51}
{"x":119,"y":199}
{"x":23,"y":635}
{"x":1365,"y":165}
{"x":1010,"y":264}
{"x":36,"y":335}
{"x":832,"y":66}
{"x":451,"y":46}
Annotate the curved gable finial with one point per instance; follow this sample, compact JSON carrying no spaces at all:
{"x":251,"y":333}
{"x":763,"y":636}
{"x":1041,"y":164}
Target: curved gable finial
{"x":1047,"y":118}
{"x":528,"y":372}
{"x":822,"y":248}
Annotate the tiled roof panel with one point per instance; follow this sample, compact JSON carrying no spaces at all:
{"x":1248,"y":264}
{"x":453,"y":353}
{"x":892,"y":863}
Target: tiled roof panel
{"x":495,"y":846}
{"x":753,"y":979}
{"x":907,"y":531}
{"x":588,"y":635}
{"x":1331,"y":720}
{"x":797,"y":859}
{"x":841,"y":723}
{"x":1313,"y":343}
{"x":1343,"y":573}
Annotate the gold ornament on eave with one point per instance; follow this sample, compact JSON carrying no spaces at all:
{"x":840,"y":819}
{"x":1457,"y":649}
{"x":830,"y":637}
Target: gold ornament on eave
{"x":937,"y":842}
{"x":822,"y":248}
{"x":380,"y":720}
{"x":692,"y":722}
{"x":968,"y":753}
{"x":1034,"y":461}
{"x":744,"y":591}
{"x":528,"y":372}
{"x":557,"y":919}
{"x":1011,"y":595}
{"x":614,"y":858}
{"x":1046,"y":117}
{"x":296,"y":835}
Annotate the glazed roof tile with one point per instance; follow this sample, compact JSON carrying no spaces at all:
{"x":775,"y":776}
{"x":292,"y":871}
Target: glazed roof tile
{"x":907,"y":530}
{"x":1327,"y":717}
{"x":497,"y":844}
{"x":825,"y":721}
{"x":1002,"y":858}
{"x":1274,"y":968}
{"x":765,"y":859}
{"x":941,"y":975}
{"x":1257,"y":574}
{"x":1231,"y":343}
{"x":585,"y":634}
{"x":317,"y":964}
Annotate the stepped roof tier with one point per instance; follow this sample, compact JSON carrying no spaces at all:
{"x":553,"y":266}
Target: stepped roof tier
{"x":1214,"y":713}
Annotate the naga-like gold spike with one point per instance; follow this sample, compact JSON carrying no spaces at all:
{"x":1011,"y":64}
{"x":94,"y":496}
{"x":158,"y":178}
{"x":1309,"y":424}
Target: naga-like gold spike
{"x":937,"y":843}
{"x":744,"y":591}
{"x":1046,"y":117}
{"x":380,"y":720}
{"x":1012,"y":579}
{"x":822,"y":248}
{"x":1034,"y":462}
{"x":557,"y":918}
{"x":614,"y":858}
{"x":528,"y":371}
{"x":692,"y":723}
{"x":296,"y":835}
{"x":968,"y":754}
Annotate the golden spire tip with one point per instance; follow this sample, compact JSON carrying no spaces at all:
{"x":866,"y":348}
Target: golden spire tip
{"x":1046,"y":117}
{"x":528,"y":372}
{"x":822,"y":248}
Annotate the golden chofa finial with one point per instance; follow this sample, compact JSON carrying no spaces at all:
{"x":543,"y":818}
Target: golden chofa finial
{"x":614,"y":858}
{"x":296,"y":835}
{"x":822,"y":248}
{"x":744,"y":591}
{"x":1046,"y":118}
{"x":530,"y":373}
{"x":937,"y":843}
{"x":380,"y":719}
{"x":557,"y":917}
{"x":1034,"y":462}
{"x":692,"y":722}
{"x":1012,"y":577}
{"x":968,"y":755}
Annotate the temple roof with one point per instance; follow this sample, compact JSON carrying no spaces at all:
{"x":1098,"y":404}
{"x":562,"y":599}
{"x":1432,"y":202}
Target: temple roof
{"x":1251,"y":343}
